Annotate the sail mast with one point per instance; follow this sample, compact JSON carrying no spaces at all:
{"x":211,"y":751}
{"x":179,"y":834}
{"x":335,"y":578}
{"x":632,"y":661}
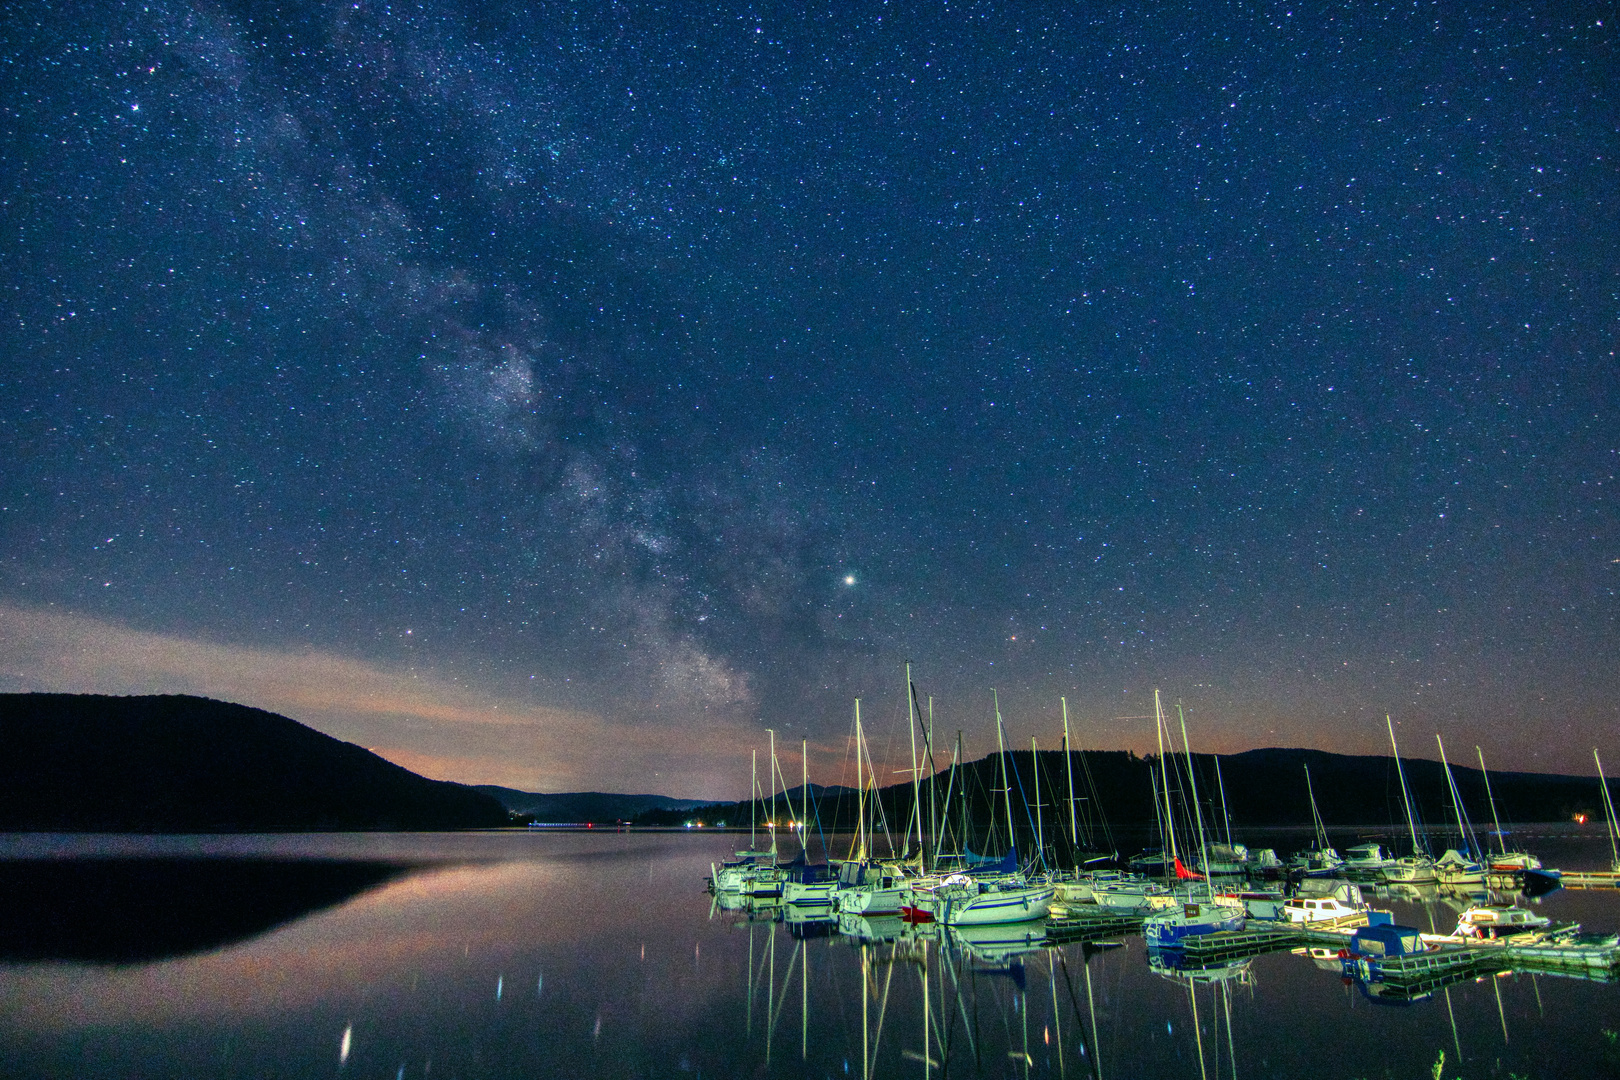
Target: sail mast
{"x":774,"y":771}
{"x":753,"y":800}
{"x":1040,"y":827}
{"x":1226,"y":815}
{"x":1001,"y":744}
{"x":1068,"y":763}
{"x":933,"y":783}
{"x":1406,"y":798}
{"x":1464,"y":828}
{"x":1198,"y":815}
{"x":1164,"y":775}
{"x":860,"y":788}
{"x":1316,"y":816}
{"x":1501,"y":841}
{"x":1608,"y":811}
{"x":916,"y":773}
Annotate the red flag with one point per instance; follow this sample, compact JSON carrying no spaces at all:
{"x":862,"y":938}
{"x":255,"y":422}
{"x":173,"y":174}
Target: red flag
{"x":1185,"y":874}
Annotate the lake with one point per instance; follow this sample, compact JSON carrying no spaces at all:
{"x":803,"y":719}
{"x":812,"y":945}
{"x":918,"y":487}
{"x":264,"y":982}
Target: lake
{"x":573,"y":953}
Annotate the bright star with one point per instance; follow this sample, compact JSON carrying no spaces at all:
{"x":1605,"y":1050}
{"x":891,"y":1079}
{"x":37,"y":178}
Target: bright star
{"x":849,"y":579}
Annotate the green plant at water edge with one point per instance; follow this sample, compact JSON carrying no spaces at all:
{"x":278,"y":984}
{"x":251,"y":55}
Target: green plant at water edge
{"x":1611,"y":1047}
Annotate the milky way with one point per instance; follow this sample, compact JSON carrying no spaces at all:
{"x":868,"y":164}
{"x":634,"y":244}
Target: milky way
{"x":684,"y":370}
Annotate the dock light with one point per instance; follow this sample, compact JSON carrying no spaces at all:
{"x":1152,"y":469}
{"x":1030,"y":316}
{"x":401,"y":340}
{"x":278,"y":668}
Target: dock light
{"x":1580,"y":819}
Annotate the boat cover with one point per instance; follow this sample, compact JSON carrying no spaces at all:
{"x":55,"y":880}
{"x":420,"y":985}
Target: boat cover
{"x":1387,"y":940}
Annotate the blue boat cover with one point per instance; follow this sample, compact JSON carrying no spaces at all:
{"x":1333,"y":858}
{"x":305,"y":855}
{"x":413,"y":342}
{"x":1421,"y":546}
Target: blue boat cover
{"x":1387,"y":940}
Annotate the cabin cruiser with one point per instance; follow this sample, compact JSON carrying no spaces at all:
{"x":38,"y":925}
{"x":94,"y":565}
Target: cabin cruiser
{"x":1491,"y":921}
{"x":1411,"y":870}
{"x":1169,"y":928}
{"x":1224,"y":859}
{"x":1336,"y":905}
{"x":1371,"y":946}
{"x":1367,"y":859}
{"x":1316,"y":861}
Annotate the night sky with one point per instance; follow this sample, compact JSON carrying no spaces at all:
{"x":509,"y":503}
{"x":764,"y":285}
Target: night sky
{"x":559,"y":397}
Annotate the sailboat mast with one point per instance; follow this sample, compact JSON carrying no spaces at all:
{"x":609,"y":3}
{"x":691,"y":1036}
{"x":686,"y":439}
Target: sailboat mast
{"x":950,"y":789}
{"x":1226,"y":815}
{"x":860,"y":788}
{"x":1164,"y":775}
{"x":1501,"y":841}
{"x":771,"y":823}
{"x":1006,"y":787}
{"x":1608,"y":813}
{"x":1198,"y":815}
{"x":1040,"y":827}
{"x":1464,"y":830}
{"x":933,"y":782}
{"x":916,"y":773}
{"x":1406,"y":798}
{"x":804,"y":797}
{"x":1068,"y":763}
{"x":1316,"y":815}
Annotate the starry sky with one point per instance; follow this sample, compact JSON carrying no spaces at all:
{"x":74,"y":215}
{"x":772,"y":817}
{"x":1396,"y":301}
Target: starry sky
{"x":560,"y":395}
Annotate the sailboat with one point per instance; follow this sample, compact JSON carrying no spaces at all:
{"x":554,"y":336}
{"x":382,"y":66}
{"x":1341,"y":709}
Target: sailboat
{"x":867,"y":886}
{"x":1320,"y":859}
{"x":1418,"y":867}
{"x":753,"y":872}
{"x":982,"y":899}
{"x":1201,"y":911}
{"x":1458,"y":867}
{"x":1516,"y":868}
{"x":809,"y":886}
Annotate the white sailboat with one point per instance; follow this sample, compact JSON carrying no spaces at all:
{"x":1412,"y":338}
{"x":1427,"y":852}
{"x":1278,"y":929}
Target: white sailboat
{"x":1418,"y":867}
{"x":1505,"y":862}
{"x":1202,"y":910}
{"x":1458,"y":867}
{"x":1318,"y":860}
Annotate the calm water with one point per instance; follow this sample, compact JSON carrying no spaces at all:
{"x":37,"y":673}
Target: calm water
{"x":567,"y":954}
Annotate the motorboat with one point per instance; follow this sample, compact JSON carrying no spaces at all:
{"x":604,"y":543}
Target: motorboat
{"x":1263,"y":904}
{"x":1225,"y":860}
{"x":1169,"y":928}
{"x":1366,"y":859}
{"x":1371,"y":946}
{"x":1337,"y":906}
{"x":1491,"y":921}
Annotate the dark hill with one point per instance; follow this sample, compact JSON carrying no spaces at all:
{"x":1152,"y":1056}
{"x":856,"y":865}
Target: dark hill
{"x":91,"y":763}
{"x":1263,"y":789}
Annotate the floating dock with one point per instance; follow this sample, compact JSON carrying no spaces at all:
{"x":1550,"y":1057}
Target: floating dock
{"x":1090,"y":926}
{"x":1589,"y":879}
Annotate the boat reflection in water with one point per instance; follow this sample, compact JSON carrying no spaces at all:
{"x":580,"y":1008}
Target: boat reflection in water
{"x":1033,"y":995}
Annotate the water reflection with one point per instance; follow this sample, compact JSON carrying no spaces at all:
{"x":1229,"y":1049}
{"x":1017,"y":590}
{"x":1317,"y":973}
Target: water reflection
{"x":568,"y":955}
{"x":134,"y":910}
